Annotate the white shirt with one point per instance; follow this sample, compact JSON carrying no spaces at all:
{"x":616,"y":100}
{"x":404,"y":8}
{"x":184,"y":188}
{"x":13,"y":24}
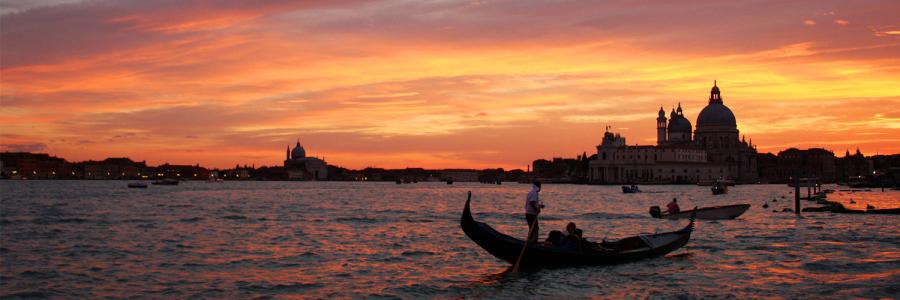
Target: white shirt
{"x":532,"y":197}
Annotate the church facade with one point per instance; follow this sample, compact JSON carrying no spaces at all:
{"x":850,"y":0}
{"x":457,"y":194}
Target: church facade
{"x":300,"y":167}
{"x":682,"y":155}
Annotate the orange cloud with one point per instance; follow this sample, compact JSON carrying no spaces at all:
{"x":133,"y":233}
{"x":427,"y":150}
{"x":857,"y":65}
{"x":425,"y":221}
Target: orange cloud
{"x":436,"y":85}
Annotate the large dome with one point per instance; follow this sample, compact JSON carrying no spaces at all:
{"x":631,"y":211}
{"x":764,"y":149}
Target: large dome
{"x":716,"y":114}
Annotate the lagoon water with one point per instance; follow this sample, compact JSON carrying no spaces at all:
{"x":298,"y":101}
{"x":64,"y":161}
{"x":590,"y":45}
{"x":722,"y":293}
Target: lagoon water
{"x":93,"y":239}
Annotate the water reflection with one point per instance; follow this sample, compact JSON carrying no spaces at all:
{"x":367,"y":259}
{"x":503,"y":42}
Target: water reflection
{"x":300,"y":239}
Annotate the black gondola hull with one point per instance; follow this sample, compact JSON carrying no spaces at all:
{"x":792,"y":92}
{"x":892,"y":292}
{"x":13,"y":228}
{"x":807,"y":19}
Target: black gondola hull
{"x":508,"y":248}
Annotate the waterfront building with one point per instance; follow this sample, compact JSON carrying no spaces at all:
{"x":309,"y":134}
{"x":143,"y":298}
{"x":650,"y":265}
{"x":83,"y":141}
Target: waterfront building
{"x":459,"y":175}
{"x":195,"y":172}
{"x":767,"y":168}
{"x":811,"y":163}
{"x":855,"y":165}
{"x":24,"y":165}
{"x":301,"y":167}
{"x":561,"y":170}
{"x":238,"y":172}
{"x":114,"y":168}
{"x":681,"y":155}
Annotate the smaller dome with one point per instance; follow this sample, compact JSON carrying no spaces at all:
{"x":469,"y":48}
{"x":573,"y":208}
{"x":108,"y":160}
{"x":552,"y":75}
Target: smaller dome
{"x":680,"y":124}
{"x":298,"y":152}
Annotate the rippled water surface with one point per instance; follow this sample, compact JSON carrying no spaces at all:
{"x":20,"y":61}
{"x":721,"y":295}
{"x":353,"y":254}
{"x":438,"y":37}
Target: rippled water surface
{"x":335,"y":239}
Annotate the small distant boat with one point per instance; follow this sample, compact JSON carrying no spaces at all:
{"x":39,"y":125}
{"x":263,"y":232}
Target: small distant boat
{"x":137,"y":185}
{"x":624,"y":250}
{"x":449,"y":181}
{"x":398,"y":181}
{"x":630,"y":189}
{"x":719,"y":188}
{"x":725,"y":212}
{"x":167,"y":181}
{"x":711,"y":182}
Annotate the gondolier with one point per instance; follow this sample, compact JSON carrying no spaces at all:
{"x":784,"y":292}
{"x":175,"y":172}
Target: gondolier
{"x":533,"y":207}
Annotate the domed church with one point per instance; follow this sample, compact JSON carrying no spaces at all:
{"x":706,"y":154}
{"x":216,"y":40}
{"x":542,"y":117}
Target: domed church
{"x":301,"y":167}
{"x":682,"y":154}
{"x":717,"y":133}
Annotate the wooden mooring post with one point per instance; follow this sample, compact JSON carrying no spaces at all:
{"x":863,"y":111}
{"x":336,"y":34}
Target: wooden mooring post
{"x":797,"y":195}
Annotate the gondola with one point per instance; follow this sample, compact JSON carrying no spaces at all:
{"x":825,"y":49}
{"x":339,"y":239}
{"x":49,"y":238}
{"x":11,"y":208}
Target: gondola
{"x":539,"y":255}
{"x":630,"y":189}
{"x":724,"y":212}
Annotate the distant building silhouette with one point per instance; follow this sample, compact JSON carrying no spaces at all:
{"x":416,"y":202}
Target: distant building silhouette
{"x":813,"y":163}
{"x":855,"y":165}
{"x":715,"y":150}
{"x":301,"y":167}
{"x":21,"y":165}
{"x":114,"y":168}
{"x":195,"y":172}
{"x":561,"y":170}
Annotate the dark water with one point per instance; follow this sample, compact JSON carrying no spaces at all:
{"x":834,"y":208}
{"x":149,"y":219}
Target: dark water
{"x":91,"y":239}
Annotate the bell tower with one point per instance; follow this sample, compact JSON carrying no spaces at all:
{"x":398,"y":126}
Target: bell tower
{"x":714,"y":95}
{"x":661,"y":127}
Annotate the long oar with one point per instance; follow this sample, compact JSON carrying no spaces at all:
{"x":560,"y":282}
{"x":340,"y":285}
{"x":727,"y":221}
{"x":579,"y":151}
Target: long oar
{"x":525,"y":246}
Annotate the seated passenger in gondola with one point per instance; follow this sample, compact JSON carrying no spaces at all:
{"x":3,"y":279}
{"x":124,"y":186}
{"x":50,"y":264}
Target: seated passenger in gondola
{"x":672,"y":207}
{"x":558,"y":238}
{"x":570,"y":229}
{"x":573,"y":238}
{"x":555,"y":238}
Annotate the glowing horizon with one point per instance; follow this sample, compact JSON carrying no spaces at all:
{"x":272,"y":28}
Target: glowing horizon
{"x":438,"y":84}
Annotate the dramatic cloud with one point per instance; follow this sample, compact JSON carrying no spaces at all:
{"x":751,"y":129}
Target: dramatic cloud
{"x":36,"y":147}
{"x":434,"y":83}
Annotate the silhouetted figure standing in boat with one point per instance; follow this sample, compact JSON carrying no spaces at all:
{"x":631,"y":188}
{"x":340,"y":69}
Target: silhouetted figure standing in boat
{"x":533,"y":208}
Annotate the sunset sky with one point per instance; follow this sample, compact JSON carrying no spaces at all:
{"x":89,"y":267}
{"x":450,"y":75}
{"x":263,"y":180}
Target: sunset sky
{"x":436,"y":84}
